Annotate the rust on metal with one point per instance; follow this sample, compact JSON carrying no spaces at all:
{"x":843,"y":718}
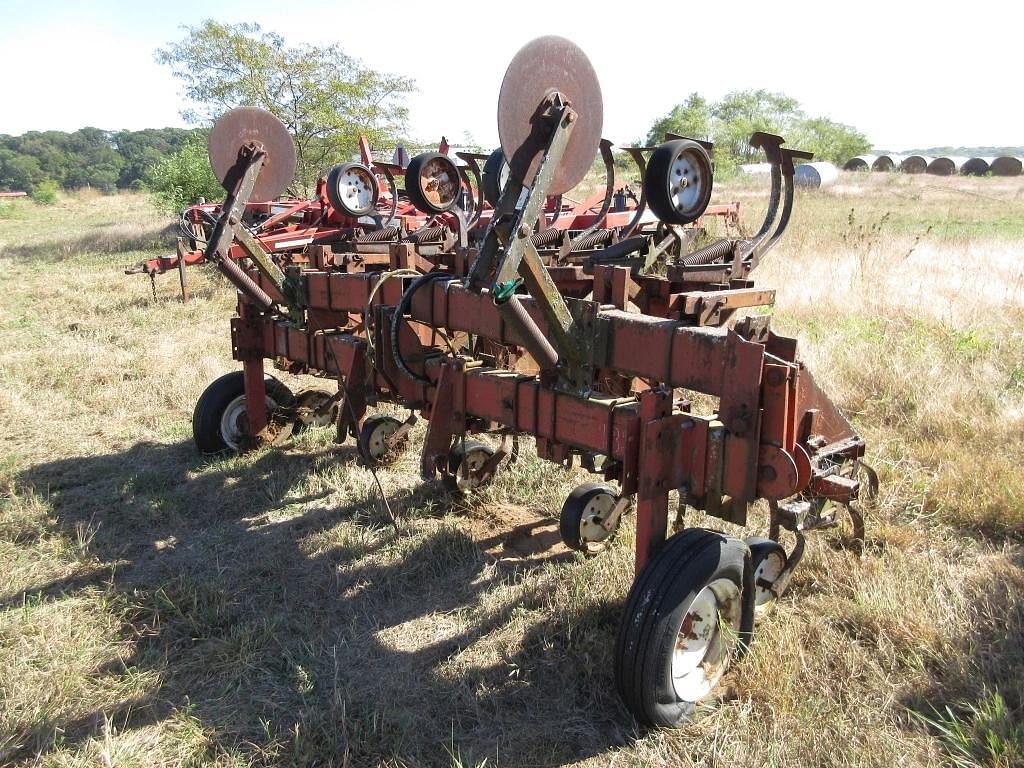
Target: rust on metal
{"x":542,"y":68}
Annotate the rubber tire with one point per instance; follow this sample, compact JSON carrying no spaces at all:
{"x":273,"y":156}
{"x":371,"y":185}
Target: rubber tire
{"x":369,"y":425}
{"x":215,"y":399}
{"x":332,"y":191}
{"x":572,"y":513}
{"x":760,"y":548}
{"x":494,"y":177}
{"x":461,"y":449}
{"x":654,"y":612}
{"x":656,"y":187}
{"x":412,"y":183}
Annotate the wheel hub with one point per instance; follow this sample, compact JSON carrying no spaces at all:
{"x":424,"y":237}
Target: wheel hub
{"x":705,"y":640}
{"x":234,"y":423}
{"x":765,"y":575}
{"x":592,"y":523}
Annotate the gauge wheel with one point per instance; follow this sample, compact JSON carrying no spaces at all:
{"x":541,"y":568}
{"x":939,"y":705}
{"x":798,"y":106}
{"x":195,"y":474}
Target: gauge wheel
{"x":308,"y":402}
{"x":352,"y":189}
{"x":494,"y":177}
{"x":584,"y":512}
{"x":678,"y":181}
{"x":219,"y":421}
{"x":768,"y":560}
{"x":688,"y":616}
{"x":433,"y":183}
{"x":373,"y":439}
{"x":471,"y":454}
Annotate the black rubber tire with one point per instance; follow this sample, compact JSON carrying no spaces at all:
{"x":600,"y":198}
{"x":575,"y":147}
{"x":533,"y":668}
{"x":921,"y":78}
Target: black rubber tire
{"x":414,"y":190}
{"x":338,"y":203}
{"x":658,"y":184}
{"x":462,"y":449}
{"x":761,"y":548}
{"x":366,"y":434}
{"x":654,"y":611}
{"x":216,"y":398}
{"x":571,"y":516}
{"x":494,"y":177}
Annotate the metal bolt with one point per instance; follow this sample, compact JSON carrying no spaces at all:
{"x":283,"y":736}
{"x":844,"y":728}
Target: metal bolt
{"x":571,"y":117}
{"x":524,"y":231}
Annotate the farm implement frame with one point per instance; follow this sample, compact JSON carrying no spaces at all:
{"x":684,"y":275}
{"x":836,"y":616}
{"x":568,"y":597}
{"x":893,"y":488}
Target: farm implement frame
{"x":596,"y":332}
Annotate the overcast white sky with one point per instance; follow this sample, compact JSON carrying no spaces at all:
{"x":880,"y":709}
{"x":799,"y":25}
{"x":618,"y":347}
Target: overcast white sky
{"x":907,"y":74}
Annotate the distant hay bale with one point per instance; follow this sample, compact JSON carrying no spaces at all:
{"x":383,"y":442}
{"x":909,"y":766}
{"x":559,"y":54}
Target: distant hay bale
{"x":976,"y":166}
{"x":1006,"y":166}
{"x":887,"y":163}
{"x":860,"y":163}
{"x":915,"y":163}
{"x":946,"y":166}
{"x":815,"y":175}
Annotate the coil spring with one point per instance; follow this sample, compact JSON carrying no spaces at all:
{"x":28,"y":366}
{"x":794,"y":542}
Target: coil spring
{"x":427,"y":235}
{"x":388,"y":233}
{"x":600,"y":237}
{"x":547,"y":237}
{"x":709,"y":254}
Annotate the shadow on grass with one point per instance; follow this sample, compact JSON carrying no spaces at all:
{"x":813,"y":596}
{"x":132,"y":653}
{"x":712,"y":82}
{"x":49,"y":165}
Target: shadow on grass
{"x":975,"y":705}
{"x":303,"y":632}
{"x":109,"y":239}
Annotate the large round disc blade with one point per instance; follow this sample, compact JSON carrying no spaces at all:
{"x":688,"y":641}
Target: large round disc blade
{"x":541,"y":67}
{"x":235,"y":129}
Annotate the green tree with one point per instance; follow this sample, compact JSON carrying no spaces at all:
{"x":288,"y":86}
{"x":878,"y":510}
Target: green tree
{"x":97,"y":163}
{"x":19,"y":172}
{"x":324,"y":97}
{"x":143,"y":149}
{"x":730,"y":122}
{"x":179,"y":180}
{"x":741,"y":113}
{"x":692,"y":119}
{"x":829,"y":140}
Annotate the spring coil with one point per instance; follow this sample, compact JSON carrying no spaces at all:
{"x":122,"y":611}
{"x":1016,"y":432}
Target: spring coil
{"x":709,"y":254}
{"x":388,"y":233}
{"x":427,"y":234}
{"x":600,"y":237}
{"x":547,"y":237}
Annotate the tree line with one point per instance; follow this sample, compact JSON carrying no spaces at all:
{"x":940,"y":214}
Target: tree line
{"x":89,"y":157}
{"x":327,"y":99}
{"x":730,"y":121}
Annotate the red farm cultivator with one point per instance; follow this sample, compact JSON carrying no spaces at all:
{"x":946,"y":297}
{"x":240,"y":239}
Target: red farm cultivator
{"x":591,"y":327}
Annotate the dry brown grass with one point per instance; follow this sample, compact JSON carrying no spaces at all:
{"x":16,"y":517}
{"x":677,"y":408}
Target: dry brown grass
{"x":157,"y":608}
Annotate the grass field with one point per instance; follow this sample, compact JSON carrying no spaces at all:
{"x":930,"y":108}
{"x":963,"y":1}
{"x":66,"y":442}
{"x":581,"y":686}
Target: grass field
{"x":162,"y":609}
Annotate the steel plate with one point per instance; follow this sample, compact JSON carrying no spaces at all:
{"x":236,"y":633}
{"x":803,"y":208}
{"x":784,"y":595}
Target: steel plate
{"x":241,"y":125}
{"x":541,"y":67}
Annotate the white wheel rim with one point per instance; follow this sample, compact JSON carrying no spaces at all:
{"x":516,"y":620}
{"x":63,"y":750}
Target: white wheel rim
{"x":476,"y":458}
{"x":705,"y":640}
{"x":377,"y":444}
{"x":592,"y":530}
{"x":765,"y":575}
{"x":355,"y":188}
{"x":685,"y":182}
{"x":440,"y":183}
{"x":471,"y":462}
{"x":234,"y":421}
